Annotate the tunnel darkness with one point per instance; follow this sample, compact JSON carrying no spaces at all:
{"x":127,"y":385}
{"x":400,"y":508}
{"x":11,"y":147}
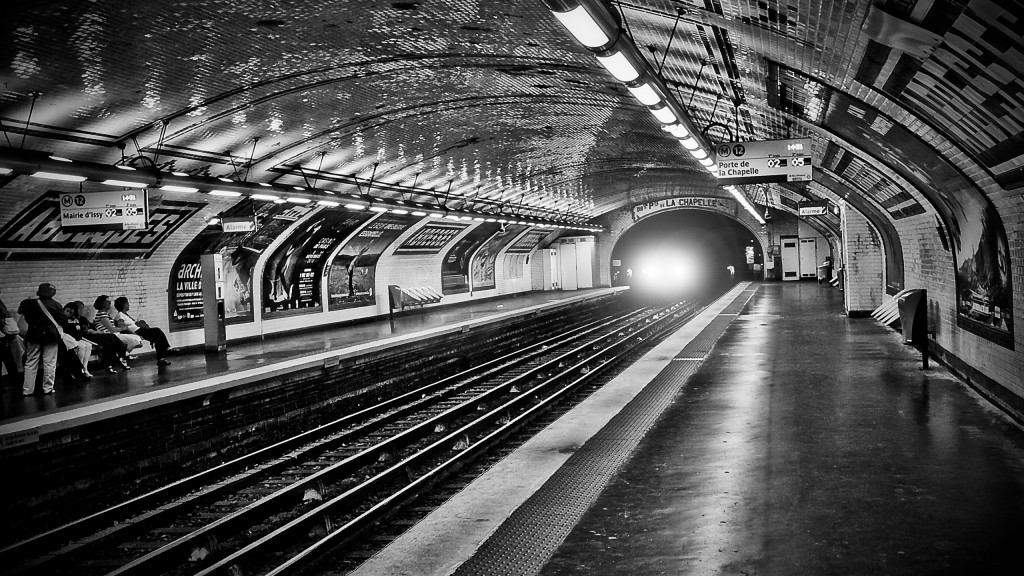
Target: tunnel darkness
{"x":713,"y":242}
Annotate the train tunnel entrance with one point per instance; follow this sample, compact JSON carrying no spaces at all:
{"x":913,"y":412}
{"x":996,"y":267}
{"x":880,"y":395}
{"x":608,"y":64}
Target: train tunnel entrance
{"x":685,"y":253}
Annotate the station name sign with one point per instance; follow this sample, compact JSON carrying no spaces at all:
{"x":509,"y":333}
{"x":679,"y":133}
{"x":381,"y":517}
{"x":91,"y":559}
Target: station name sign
{"x":124,"y":210}
{"x":764,"y":161}
{"x":705,"y":202}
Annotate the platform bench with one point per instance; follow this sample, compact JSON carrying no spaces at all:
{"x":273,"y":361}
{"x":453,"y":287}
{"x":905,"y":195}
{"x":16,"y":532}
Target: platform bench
{"x":402,"y":298}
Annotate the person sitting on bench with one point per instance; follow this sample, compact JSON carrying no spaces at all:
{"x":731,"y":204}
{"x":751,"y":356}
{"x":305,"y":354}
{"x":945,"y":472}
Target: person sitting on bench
{"x":105,"y":323}
{"x":141,"y":328}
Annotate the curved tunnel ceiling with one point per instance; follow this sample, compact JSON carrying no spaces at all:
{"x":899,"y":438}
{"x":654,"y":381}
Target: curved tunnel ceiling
{"x":497,"y":101}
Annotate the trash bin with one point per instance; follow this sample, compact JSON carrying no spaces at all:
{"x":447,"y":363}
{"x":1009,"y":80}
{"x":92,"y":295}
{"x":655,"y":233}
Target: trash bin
{"x":823,"y":271}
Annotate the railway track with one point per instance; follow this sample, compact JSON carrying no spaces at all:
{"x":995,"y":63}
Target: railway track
{"x":277,"y":509}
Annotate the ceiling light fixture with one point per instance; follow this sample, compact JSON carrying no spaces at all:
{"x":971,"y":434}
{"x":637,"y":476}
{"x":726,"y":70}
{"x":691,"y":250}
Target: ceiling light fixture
{"x":268,"y":197}
{"x":328,"y":203}
{"x":665,"y":115}
{"x":699,"y":154}
{"x":294,"y":200}
{"x":355,"y":206}
{"x":619,"y":66}
{"x":56,"y":176}
{"x":227,"y":193}
{"x":124,"y":183}
{"x":742,"y":199}
{"x":583,"y":27}
{"x":172,"y":188}
{"x":645,"y":94}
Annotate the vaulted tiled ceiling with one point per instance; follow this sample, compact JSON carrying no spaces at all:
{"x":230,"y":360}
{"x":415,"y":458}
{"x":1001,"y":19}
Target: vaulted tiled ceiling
{"x":496,"y":100}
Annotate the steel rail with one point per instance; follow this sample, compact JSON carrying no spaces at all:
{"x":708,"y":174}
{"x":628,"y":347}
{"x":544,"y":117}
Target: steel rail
{"x":104,"y":524}
{"x":234,"y":563}
{"x":223,"y":528}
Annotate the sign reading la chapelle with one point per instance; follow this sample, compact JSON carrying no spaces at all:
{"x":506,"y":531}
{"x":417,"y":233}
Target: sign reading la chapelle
{"x":705,"y":202}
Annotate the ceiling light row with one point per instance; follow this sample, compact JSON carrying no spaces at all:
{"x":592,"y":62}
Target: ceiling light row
{"x":69,"y":171}
{"x":617,"y":55}
{"x":742,"y":199}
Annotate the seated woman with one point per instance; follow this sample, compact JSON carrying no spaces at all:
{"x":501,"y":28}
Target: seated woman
{"x":141,"y":328}
{"x":105,"y":324}
{"x":112,"y":350}
{"x":83,"y":351}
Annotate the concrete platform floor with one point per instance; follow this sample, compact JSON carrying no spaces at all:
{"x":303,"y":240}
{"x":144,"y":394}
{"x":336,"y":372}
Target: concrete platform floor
{"x":193,"y":367}
{"x":806,"y":443}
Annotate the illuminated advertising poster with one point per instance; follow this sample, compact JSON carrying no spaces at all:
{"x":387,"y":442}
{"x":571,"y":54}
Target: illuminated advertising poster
{"x":431,"y":239}
{"x":36,"y":232}
{"x":527,"y":242}
{"x":455,"y":266}
{"x":981,"y":253}
{"x":483,"y":262}
{"x":293,"y":273}
{"x":239,"y":250}
{"x":351,"y":274}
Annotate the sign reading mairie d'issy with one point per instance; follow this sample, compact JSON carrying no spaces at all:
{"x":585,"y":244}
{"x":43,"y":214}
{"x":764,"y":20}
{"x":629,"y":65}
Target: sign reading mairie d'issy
{"x":703,"y":202}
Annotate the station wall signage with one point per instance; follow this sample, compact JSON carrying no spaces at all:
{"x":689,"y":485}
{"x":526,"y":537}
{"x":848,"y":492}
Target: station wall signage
{"x":706,"y":202}
{"x":764,"y":161}
{"x":813,"y":208}
{"x":123,"y":210}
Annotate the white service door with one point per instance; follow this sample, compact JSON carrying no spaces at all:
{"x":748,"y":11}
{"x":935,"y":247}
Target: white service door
{"x":808,"y":258}
{"x":584,"y":264}
{"x":790,"y":259}
{"x":567,"y":266}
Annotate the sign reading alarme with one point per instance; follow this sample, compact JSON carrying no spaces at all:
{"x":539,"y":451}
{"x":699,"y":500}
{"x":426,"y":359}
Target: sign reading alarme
{"x":764,"y":161}
{"x":123,"y":210}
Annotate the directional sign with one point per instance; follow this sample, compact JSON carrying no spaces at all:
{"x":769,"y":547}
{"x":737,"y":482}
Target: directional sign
{"x":764,"y":161}
{"x":124,"y":210}
{"x":813,"y":208}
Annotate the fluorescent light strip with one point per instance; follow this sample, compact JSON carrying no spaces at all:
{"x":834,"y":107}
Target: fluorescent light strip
{"x":269,"y":197}
{"x":619,"y":66}
{"x":699,"y":153}
{"x":124,"y":183}
{"x":294,"y":200}
{"x":418,"y":213}
{"x":689,"y":143}
{"x":182,"y":174}
{"x":229,"y":193}
{"x":583,"y":27}
{"x":60,"y":159}
{"x":119,"y":167}
{"x":56,"y":176}
{"x":664,"y":115}
{"x":645,"y":94}
{"x":327,"y":203}
{"x":171,"y":188}
{"x":225,"y":179}
{"x":397,"y":211}
{"x":742,"y":199}
{"x":378,"y":209}
{"x":355,"y":206}
{"x":707,"y":162}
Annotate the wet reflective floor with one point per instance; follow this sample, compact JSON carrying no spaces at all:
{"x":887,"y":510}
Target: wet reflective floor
{"x":809,"y":443}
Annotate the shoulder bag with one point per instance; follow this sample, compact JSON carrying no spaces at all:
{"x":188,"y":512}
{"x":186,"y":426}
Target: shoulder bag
{"x":69,"y":341}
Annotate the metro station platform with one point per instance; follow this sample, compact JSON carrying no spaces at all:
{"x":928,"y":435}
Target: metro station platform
{"x":771,"y":435}
{"x":196,"y":373}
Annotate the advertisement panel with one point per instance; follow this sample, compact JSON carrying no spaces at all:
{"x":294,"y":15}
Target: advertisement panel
{"x":352,"y":273}
{"x":294,"y":272}
{"x":431,"y":239}
{"x":239,"y":250}
{"x":483,"y":262}
{"x":455,"y":266}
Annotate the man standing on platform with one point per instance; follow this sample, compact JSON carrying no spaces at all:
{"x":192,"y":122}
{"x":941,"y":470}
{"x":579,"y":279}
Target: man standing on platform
{"x":44,"y":316}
